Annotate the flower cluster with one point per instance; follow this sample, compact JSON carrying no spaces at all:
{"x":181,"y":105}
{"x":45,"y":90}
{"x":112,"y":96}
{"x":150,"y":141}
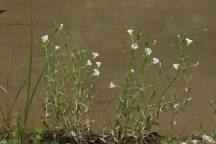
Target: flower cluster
{"x":45,"y":38}
{"x":96,"y":71}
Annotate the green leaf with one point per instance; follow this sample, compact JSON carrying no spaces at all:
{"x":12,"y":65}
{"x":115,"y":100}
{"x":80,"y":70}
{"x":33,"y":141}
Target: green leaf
{"x":182,"y":40}
{"x":152,"y":95}
{"x":138,"y":36}
{"x":1,"y":87}
{"x":147,"y":42}
{"x":28,"y":103}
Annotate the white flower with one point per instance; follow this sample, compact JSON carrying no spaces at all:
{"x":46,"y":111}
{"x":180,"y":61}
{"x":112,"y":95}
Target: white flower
{"x":174,"y":122}
{"x":178,"y":36}
{"x":194,"y":141}
{"x":98,"y":64}
{"x":196,"y":64}
{"x":189,"y":99}
{"x":208,"y":138}
{"x":176,"y":105}
{"x":47,"y":115}
{"x":189,"y":41}
{"x":73,"y":55}
{"x":148,"y":51}
{"x":176,"y":66}
{"x":96,"y":72}
{"x":44,"y":38}
{"x":134,"y":46}
{"x":186,"y":89}
{"x":95,"y":55}
{"x":155,"y":60}
{"x":183,"y":143}
{"x":154,"y":42}
{"x":160,"y":64}
{"x":61,"y":26}
{"x":112,"y":85}
{"x":57,"y":47}
{"x":132,"y":70}
{"x":130,"y":31}
{"x":89,"y":62}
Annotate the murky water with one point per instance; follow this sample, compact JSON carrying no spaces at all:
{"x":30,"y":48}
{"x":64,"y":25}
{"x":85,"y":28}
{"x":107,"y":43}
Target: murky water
{"x":100,"y":25}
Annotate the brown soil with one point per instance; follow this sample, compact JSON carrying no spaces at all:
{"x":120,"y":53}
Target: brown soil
{"x":151,"y":138}
{"x":62,"y":138}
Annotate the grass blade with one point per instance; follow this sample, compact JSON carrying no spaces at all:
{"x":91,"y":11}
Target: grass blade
{"x":35,"y":89}
{"x":30,"y":63}
{"x":17,"y":95}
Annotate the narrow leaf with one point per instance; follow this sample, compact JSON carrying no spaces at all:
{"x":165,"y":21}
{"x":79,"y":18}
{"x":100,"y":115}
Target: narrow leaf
{"x":2,"y":88}
{"x":35,"y":88}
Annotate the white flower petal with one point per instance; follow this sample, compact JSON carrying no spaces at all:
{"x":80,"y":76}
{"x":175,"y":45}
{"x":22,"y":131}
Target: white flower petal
{"x":195,"y":141}
{"x":98,"y":64}
{"x":61,"y":26}
{"x":155,"y":60}
{"x":154,"y":42}
{"x":178,"y":36}
{"x":44,"y":38}
{"x":112,"y":85}
{"x":130,"y":31}
{"x":160,"y":64}
{"x":132,"y":70}
{"x":47,"y":115}
{"x":57,"y":47}
{"x":176,"y":105}
{"x":176,"y":66}
{"x":89,"y":62}
{"x":148,"y":51}
{"x":189,"y":41}
{"x":174,"y":122}
{"x":73,"y":55}
{"x":96,"y":72}
{"x":196,"y":64}
{"x":95,"y":55}
{"x":208,"y":138}
{"x":134,"y":46}
{"x":189,"y":99}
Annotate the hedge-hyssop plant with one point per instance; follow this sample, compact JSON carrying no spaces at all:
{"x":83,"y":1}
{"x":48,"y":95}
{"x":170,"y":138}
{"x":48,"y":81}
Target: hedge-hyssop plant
{"x":141,"y":102}
{"x":70,"y":82}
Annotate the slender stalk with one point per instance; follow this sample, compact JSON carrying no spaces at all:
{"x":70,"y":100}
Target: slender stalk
{"x":15,"y":99}
{"x":9,"y":84}
{"x":30,"y":64}
{"x":22,"y":131}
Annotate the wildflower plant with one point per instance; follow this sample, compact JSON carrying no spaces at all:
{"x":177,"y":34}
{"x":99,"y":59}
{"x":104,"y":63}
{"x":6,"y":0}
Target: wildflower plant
{"x":142,"y":101}
{"x":70,"y":82}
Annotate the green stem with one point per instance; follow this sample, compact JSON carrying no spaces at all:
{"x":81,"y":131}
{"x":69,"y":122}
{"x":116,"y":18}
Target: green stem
{"x":30,"y":64}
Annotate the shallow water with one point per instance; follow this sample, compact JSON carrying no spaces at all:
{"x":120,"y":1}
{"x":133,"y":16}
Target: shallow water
{"x":101,"y":26}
